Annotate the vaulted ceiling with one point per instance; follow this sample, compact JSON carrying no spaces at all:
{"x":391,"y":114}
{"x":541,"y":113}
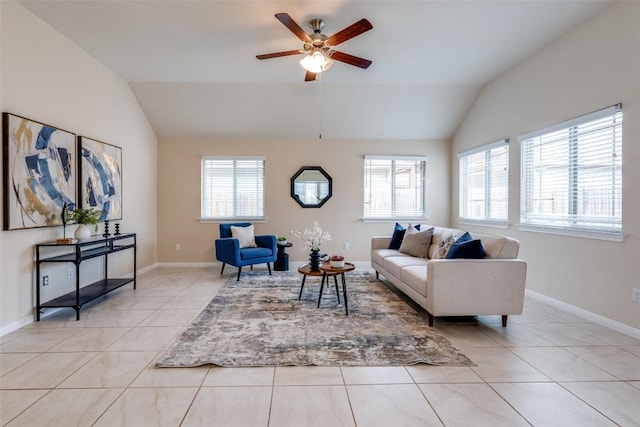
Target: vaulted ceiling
{"x":192,"y":64}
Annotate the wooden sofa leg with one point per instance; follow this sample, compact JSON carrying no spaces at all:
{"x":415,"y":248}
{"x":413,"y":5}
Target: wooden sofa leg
{"x":269,"y":267}
{"x":239,"y":271}
{"x":377,"y":276}
{"x":504,"y":320}
{"x":430,"y":319}
{"x":222,"y":271}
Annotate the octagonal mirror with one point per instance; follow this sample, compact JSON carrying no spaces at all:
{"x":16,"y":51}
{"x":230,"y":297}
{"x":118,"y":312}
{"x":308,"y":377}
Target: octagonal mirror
{"x":311,"y":186}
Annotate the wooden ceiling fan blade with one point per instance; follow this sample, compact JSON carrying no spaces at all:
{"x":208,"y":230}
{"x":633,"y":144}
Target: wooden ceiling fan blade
{"x":350,"y":32}
{"x":310,"y":77}
{"x":278,"y":54}
{"x":350,"y":59}
{"x":293,"y":27}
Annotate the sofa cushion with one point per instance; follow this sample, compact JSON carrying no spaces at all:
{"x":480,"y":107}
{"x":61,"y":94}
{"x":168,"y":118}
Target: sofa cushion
{"x":416,"y":242}
{"x":252,"y":253}
{"x":394,"y":264}
{"x":416,"y":277}
{"x":378,"y":255}
{"x":471,"y":249}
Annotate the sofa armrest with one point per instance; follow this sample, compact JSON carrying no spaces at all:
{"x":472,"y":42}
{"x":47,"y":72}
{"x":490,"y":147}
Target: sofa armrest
{"x":380,"y":242}
{"x":228,"y":250}
{"x":481,"y":286}
{"x":267,"y":241}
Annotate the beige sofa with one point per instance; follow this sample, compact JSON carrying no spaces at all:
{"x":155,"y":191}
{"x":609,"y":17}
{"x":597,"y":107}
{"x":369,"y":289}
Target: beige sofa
{"x":457,"y":287}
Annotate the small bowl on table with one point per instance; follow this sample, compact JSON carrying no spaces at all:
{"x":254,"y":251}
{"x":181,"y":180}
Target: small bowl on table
{"x":336,"y":264}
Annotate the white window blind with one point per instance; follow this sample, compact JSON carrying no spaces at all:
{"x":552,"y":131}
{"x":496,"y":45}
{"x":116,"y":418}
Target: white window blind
{"x":394,"y":187}
{"x":572,"y":174}
{"x":484,"y":183}
{"x":232,"y":188}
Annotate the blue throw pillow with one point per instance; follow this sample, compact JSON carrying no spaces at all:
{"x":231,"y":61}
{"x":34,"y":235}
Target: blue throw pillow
{"x":470,"y":249}
{"x":466,"y":237}
{"x":398,"y":235}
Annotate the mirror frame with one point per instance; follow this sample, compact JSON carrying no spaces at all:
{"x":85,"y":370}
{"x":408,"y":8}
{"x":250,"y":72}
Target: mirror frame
{"x":300,"y":172}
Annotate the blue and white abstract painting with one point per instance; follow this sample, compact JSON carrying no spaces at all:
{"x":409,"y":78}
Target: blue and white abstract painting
{"x":39,"y":171}
{"x":101,"y":177}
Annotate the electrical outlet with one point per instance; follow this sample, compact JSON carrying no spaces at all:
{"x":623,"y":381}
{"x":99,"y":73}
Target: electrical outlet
{"x":69,"y":272}
{"x":45,"y":280}
{"x":177,"y":246}
{"x":635,"y":296}
{"x":346,"y":245}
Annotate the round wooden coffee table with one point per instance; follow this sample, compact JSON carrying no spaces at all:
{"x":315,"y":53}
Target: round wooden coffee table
{"x":326,"y":268}
{"x":305,"y":270}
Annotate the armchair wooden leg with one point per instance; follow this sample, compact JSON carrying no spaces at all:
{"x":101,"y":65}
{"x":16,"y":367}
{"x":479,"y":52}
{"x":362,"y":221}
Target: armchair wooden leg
{"x":239,"y":271}
{"x":504,"y":320}
{"x":269,"y":267}
{"x":222,"y":271}
{"x":377,"y":276}
{"x":430,"y":319}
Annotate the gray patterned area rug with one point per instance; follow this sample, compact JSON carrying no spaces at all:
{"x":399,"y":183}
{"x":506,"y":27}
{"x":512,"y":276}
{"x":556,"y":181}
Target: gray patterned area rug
{"x":259,"y":321}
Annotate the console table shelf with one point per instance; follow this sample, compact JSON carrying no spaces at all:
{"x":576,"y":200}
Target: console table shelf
{"x":95,"y":247}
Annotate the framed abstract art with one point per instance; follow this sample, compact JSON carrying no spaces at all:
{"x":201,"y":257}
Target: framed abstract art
{"x":100,"y":177}
{"x":39,"y":172}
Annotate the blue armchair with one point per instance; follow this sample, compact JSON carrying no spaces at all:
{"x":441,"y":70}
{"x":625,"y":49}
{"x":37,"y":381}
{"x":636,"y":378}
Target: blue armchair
{"x":228,"y":249}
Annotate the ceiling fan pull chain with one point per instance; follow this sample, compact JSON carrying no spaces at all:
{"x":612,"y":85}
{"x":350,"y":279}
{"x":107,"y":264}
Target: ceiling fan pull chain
{"x":319,"y":78}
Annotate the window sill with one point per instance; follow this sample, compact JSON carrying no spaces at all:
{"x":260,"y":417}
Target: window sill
{"x":586,"y":234}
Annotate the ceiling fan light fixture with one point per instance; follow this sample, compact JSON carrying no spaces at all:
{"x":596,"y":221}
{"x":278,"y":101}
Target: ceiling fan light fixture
{"x":316,"y":62}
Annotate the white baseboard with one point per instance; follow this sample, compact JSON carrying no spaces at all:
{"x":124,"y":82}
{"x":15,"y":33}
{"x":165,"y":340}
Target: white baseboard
{"x":13,"y":326}
{"x":187,"y":264}
{"x":604,"y":321}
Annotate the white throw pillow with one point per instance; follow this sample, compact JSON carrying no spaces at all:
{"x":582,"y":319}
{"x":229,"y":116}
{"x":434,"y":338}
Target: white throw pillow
{"x":245,"y":236}
{"x":416,"y":243}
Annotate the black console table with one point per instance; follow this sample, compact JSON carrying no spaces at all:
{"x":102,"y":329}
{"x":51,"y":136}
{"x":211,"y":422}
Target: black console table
{"x":75,"y":253}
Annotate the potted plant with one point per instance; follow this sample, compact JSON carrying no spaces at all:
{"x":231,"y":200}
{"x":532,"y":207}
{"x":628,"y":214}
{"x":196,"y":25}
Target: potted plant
{"x":84,"y":218}
{"x":282,"y":240}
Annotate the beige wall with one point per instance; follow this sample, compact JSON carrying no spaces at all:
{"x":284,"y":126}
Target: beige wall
{"x":179,"y":198}
{"x":47,"y":78}
{"x":592,"y":67}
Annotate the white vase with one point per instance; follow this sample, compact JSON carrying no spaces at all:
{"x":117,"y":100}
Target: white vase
{"x":82,"y":232}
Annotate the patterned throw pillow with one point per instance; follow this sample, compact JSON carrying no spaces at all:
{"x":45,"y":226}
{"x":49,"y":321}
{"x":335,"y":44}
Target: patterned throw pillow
{"x":416,"y":243}
{"x":443,"y":248}
{"x":398,"y":235}
{"x":245,"y":236}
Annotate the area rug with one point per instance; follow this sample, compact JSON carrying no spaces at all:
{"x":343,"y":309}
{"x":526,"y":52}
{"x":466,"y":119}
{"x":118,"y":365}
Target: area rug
{"x":259,"y":321}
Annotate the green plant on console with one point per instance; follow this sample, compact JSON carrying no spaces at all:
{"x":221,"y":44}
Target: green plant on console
{"x":85,"y":216}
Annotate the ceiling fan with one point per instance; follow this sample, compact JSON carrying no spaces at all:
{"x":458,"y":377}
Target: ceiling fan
{"x":318,"y":48}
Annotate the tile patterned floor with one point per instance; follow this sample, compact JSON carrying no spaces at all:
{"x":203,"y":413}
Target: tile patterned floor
{"x":547,"y":368}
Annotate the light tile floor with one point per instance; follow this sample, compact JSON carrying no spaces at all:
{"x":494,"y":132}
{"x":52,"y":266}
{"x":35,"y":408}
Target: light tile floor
{"x":548,"y":367}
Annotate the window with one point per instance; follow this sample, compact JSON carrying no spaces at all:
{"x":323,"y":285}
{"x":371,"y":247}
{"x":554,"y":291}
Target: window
{"x":394,"y":187}
{"x":232,"y":188}
{"x":484,"y":183}
{"x":572,"y":176}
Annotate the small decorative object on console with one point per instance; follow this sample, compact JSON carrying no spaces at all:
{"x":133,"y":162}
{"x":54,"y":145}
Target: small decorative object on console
{"x":336,"y":261}
{"x":106,"y":229}
{"x":117,"y":233}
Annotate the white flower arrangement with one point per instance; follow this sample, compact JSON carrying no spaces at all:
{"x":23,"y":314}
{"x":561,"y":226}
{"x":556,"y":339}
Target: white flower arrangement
{"x":314,"y":238}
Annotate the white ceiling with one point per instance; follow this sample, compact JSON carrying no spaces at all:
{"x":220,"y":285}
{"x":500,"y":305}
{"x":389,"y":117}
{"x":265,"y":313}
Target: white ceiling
{"x":192,"y":64}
